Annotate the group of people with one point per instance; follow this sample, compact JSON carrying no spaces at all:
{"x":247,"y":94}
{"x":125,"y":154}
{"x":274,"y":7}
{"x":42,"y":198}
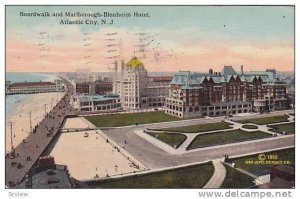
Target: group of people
{"x":49,"y":125}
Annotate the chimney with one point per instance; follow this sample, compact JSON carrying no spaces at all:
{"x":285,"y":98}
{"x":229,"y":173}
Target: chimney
{"x":122,"y":67}
{"x":116,"y":66}
{"x":116,"y":71}
{"x":242,"y":69}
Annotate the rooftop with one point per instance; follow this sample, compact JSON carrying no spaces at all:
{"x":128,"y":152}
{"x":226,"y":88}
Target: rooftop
{"x":134,"y":62}
{"x":83,"y":83}
{"x":162,"y":78}
{"x":103,"y":82}
{"x":86,"y":98}
{"x":192,"y":79}
{"x":48,"y":177}
{"x":228,"y":70}
{"x":23,"y":84}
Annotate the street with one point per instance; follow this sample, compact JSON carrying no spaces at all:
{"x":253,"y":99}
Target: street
{"x":154,"y":157}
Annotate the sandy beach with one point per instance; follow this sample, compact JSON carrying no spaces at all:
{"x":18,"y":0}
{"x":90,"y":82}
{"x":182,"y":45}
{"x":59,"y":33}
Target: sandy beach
{"x":78,"y":122}
{"x":89,"y":156}
{"x":20,"y":116}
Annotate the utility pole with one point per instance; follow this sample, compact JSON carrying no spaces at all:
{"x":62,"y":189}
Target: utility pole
{"x":11,"y":137}
{"x":30,"y":123}
{"x":45,"y":109}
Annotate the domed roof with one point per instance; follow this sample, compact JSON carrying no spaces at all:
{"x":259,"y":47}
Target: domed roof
{"x":134,"y":62}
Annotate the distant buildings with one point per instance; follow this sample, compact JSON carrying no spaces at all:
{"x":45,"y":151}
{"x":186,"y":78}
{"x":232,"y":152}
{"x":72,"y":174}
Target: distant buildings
{"x":83,"y":87}
{"x":224,"y":93}
{"x":291,"y":97}
{"x":103,"y":87}
{"x":188,"y":94}
{"x":84,"y":75}
{"x":99,"y":87}
{"x":33,"y":87}
{"x":106,"y":79}
{"x":96,"y":103}
{"x":136,"y":89}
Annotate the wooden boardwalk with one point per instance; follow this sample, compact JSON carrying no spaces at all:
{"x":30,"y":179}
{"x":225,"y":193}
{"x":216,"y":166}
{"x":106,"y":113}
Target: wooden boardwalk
{"x":72,"y":130}
{"x":16,"y":168}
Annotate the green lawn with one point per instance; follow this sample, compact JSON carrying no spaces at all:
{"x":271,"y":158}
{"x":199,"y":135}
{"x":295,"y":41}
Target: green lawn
{"x":265,"y":120}
{"x":236,"y":179}
{"x":289,"y":128}
{"x":225,"y":137}
{"x":251,"y":164}
{"x":126,"y":119}
{"x":169,"y":138}
{"x":189,"y":177}
{"x":199,"y":128}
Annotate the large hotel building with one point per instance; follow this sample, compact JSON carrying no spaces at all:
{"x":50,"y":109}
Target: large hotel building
{"x":136,"y":89}
{"x":33,"y":87}
{"x":224,"y":93}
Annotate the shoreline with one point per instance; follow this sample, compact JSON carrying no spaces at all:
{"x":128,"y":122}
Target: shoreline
{"x":15,"y":110}
{"x":32,"y":76}
{"x":19,"y":115}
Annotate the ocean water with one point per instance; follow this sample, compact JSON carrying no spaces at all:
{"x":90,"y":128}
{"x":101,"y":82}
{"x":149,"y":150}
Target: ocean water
{"x":14,"y":101}
{"x":29,"y":77}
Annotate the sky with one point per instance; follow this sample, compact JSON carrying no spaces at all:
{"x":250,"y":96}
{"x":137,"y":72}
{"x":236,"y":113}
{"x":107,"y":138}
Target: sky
{"x":172,"y":38}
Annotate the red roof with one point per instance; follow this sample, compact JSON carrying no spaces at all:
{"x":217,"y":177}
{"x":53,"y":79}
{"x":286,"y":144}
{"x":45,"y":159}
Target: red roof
{"x":103,"y":83}
{"x":23,"y":84}
{"x":162,"y":78}
{"x":82,"y":83}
